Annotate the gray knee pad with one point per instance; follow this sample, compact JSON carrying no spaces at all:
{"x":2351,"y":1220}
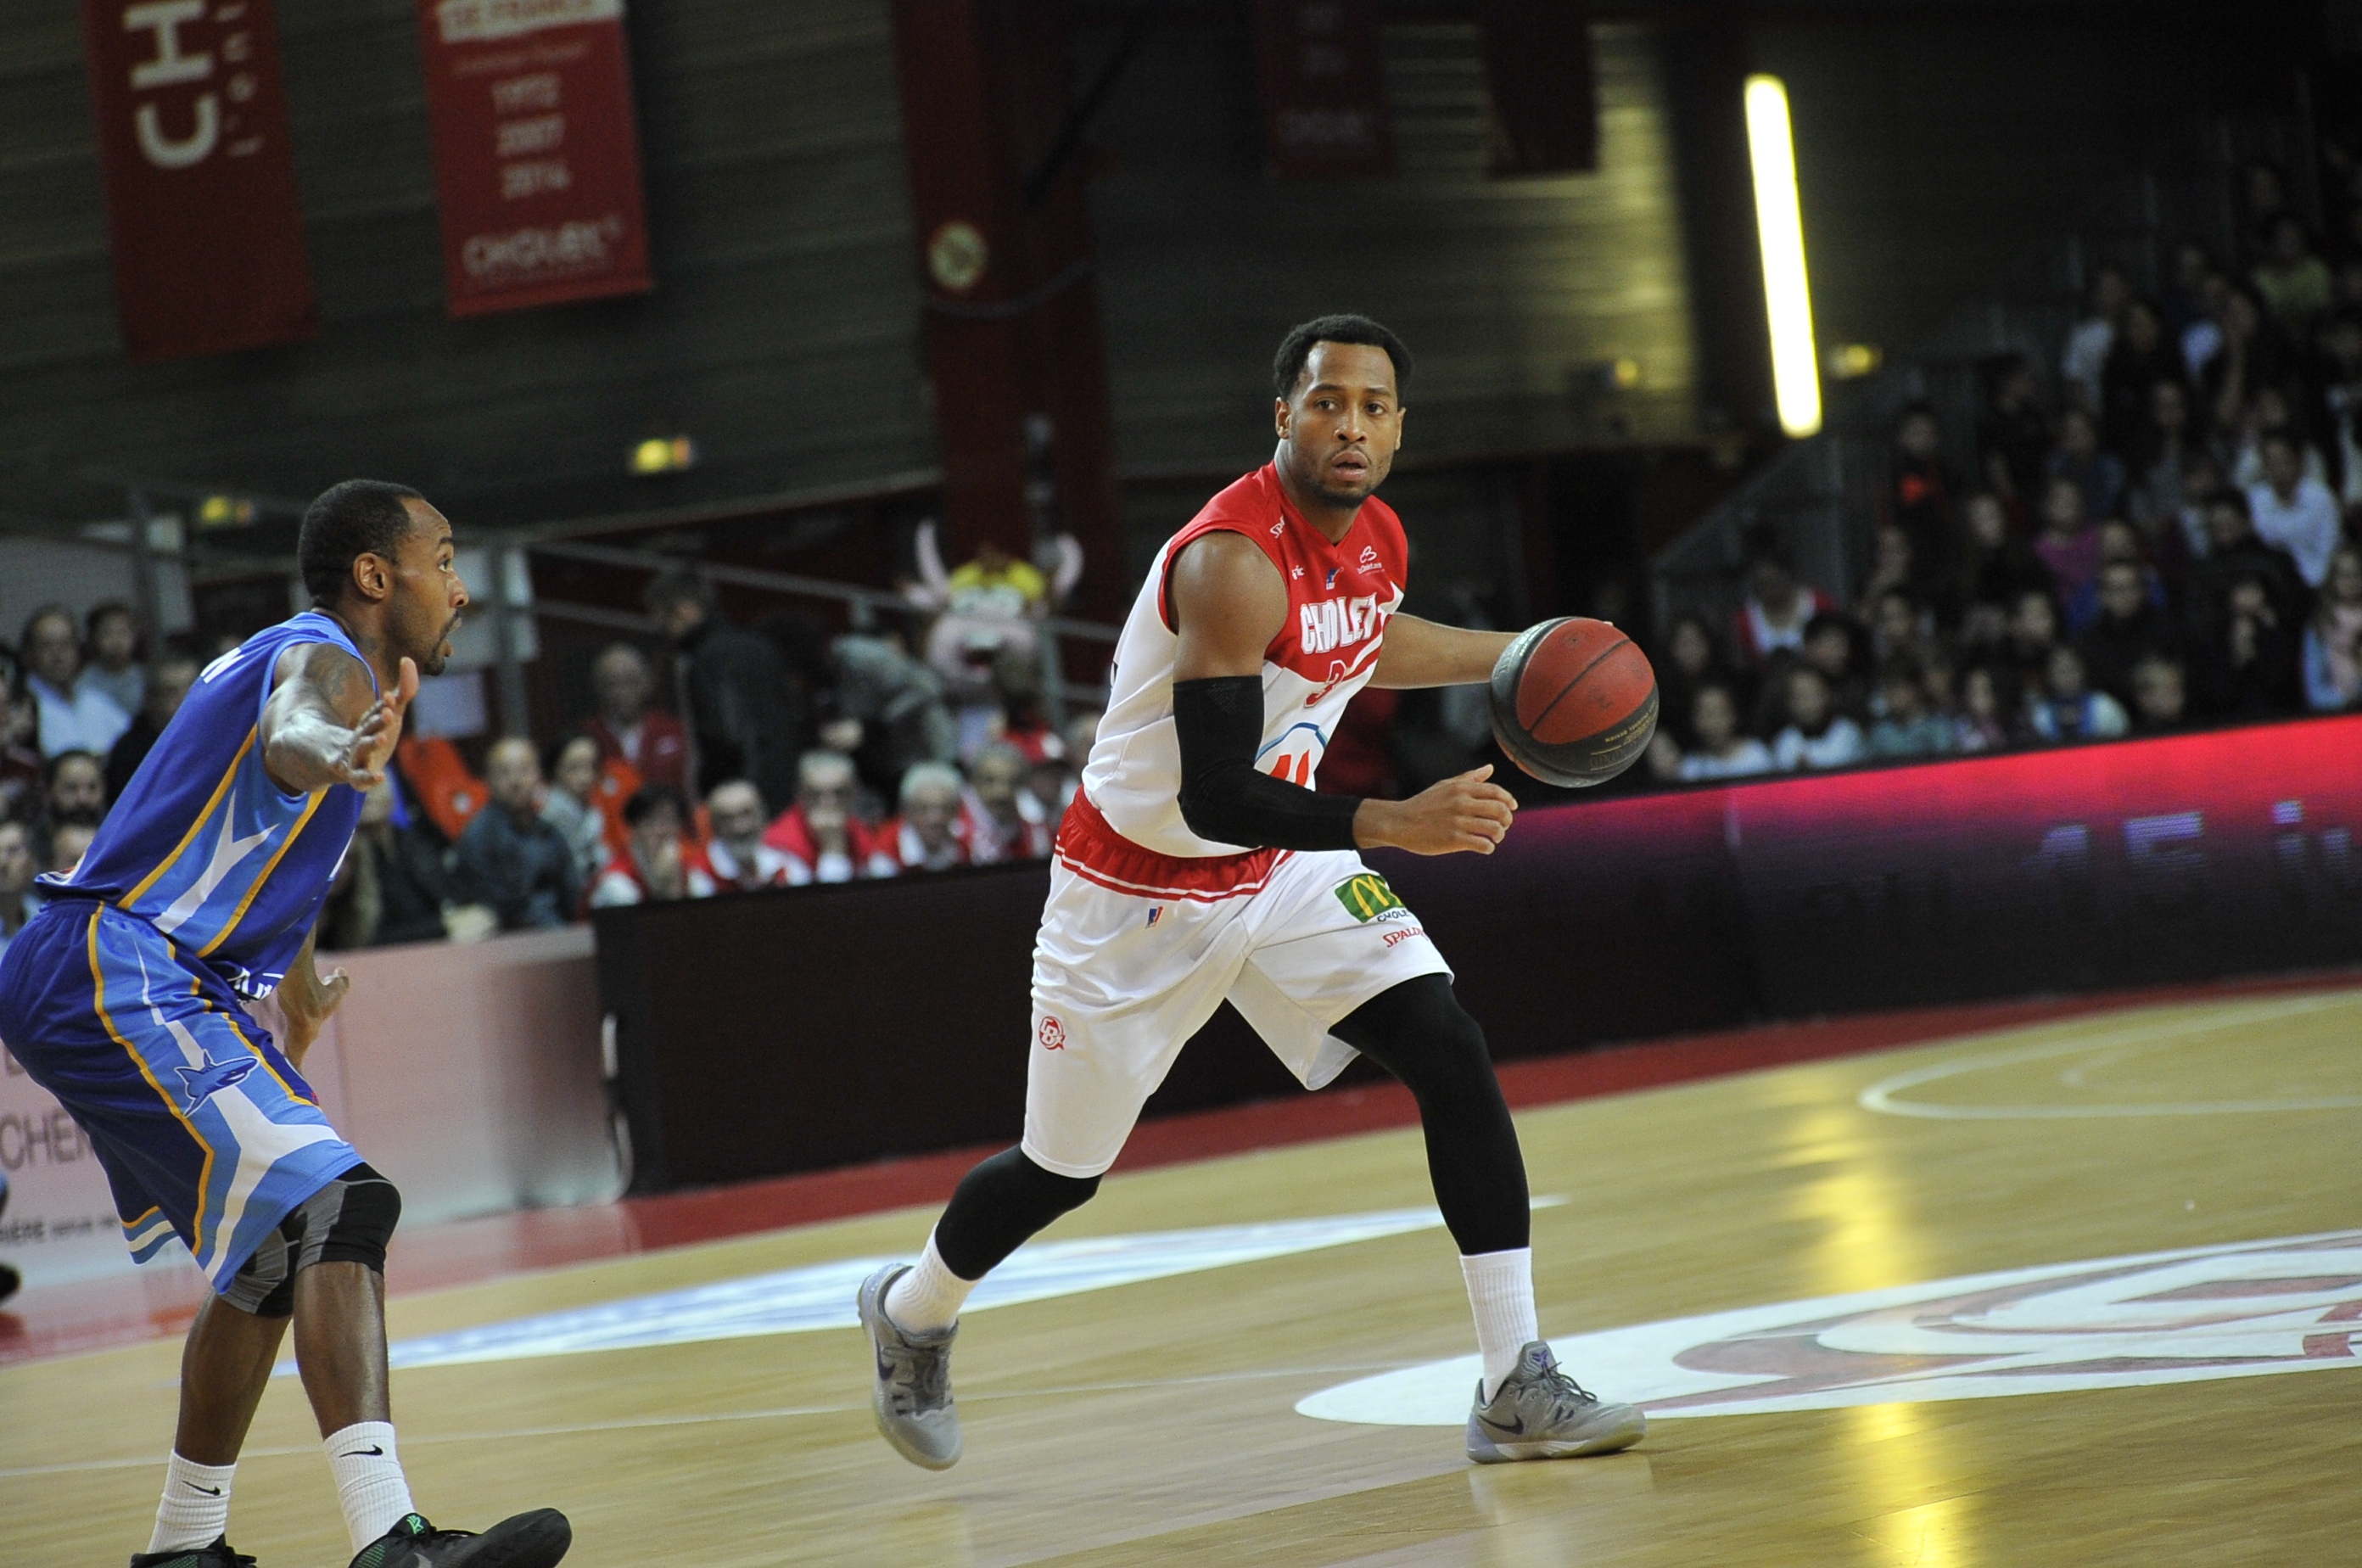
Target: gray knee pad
{"x":348,"y":1220}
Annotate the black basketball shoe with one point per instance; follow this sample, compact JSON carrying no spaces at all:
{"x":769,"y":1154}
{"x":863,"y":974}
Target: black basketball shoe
{"x":9,"y":1280}
{"x":215,"y":1555}
{"x":537,"y":1539}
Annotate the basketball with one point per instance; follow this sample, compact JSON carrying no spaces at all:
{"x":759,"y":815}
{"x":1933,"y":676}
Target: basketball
{"x":1575,"y":702}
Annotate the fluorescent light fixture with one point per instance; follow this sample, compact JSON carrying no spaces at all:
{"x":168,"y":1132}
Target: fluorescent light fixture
{"x":1780,"y":228}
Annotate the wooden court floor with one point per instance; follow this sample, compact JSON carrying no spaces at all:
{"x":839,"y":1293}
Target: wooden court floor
{"x":1155,"y":1423}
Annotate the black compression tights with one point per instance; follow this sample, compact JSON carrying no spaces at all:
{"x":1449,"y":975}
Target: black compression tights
{"x":1416,"y":1030}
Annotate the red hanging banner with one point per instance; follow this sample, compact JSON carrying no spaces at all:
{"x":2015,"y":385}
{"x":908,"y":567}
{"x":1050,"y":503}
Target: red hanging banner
{"x":205,"y":222}
{"x":536,"y":156}
{"x":1324,"y":91}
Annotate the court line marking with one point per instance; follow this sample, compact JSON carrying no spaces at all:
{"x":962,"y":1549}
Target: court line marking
{"x":2131,"y":1038}
{"x":411,"y":1440}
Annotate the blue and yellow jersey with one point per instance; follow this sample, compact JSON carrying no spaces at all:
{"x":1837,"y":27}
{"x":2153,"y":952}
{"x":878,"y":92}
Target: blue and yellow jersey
{"x":203,"y":846}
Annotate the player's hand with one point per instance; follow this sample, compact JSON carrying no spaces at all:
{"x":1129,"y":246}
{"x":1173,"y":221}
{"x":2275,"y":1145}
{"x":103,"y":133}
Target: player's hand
{"x":1466,"y":816}
{"x":307,"y":998}
{"x":362,"y":762}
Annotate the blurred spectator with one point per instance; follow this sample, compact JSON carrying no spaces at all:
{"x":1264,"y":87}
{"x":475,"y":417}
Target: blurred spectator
{"x":1720,"y":750}
{"x":2270,"y":412}
{"x":2140,"y":359}
{"x":2099,"y":476}
{"x":1777,"y":607}
{"x":75,"y":714}
{"x":1004,"y":822}
{"x":2340,"y":402}
{"x":2252,"y":355}
{"x":1016,"y":715}
{"x":2185,"y":301}
{"x":2293,"y":281}
{"x":68,"y":842}
{"x":1898,"y":628}
{"x":75,"y":786}
{"x":2333,"y":638}
{"x":927,"y":837}
{"x":111,"y":634}
{"x":2032,"y":633}
{"x":2161,"y":703}
{"x":2089,"y":340}
{"x":2119,"y":542}
{"x":1988,"y":698}
{"x":660,"y":865}
{"x":441,"y":793}
{"x":2202,"y":481}
{"x":17,"y":871}
{"x":1893,"y":569}
{"x":988,"y":607}
{"x":2250,"y":663}
{"x":393,"y":887}
{"x":572,"y":806}
{"x":2068,"y":542}
{"x":1996,"y":569}
{"x":2234,"y":551}
{"x":2014,"y":436}
{"x":167,"y":688}
{"x":2159,"y":455}
{"x":1907,"y":728}
{"x":2065,"y":708}
{"x":898,"y":702}
{"x":1817,"y":734}
{"x":736,"y":853}
{"x":746,"y":723}
{"x":2130,"y":627}
{"x":1689,"y":661}
{"x":510,"y":858}
{"x":1919,"y":495}
{"x":20,"y":763}
{"x":1832,"y":644}
{"x":819,"y":836}
{"x":2201,"y":331}
{"x":629,"y":728}
{"x":2294,"y":511}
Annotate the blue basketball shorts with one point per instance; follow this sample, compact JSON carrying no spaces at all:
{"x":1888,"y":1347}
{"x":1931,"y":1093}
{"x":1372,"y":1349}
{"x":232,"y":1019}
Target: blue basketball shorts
{"x":203,"y":1128}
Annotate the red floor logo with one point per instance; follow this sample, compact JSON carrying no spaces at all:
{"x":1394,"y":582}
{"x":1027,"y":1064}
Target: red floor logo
{"x":2240,"y":1309}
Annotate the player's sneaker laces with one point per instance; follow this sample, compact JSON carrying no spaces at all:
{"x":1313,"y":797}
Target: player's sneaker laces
{"x":1538,"y":1412}
{"x":537,"y":1539}
{"x":215,"y":1555}
{"x":913,"y":1391}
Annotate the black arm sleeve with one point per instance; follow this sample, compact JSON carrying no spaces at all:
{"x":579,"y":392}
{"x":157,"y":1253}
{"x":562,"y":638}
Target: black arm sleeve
{"x":1222,"y":797}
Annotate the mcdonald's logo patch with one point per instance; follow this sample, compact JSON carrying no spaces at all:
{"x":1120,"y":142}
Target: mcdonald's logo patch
{"x":1366,"y":897}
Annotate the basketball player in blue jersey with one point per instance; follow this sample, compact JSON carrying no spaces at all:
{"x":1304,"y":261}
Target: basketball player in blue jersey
{"x":125,"y":997}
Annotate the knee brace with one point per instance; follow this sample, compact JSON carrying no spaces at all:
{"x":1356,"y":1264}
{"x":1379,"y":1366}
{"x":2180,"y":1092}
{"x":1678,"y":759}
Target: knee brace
{"x":997,"y":1206}
{"x":350,"y":1220}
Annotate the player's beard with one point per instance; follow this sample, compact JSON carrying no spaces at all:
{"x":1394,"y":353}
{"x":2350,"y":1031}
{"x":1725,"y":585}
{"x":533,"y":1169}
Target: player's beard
{"x":435,"y":660}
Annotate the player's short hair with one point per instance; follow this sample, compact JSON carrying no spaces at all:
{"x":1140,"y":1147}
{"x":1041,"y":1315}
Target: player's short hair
{"x":1287,"y":365}
{"x":347,"y":521}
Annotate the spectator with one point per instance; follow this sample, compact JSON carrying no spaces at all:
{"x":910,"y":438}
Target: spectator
{"x":2333,"y":638}
{"x":819,"y":836}
{"x":737,"y":856}
{"x":2161,"y":696}
{"x":2340,"y":402}
{"x":1919,"y":494}
{"x":1893,"y":569}
{"x":2130,"y":625}
{"x":1907,"y":729}
{"x":898,"y":702}
{"x":75,"y":786}
{"x":2069,"y":541}
{"x":742,"y":714}
{"x":166,"y":690}
{"x":2201,"y":332}
{"x":1832,"y":644}
{"x":660,"y":865}
{"x":2089,"y":340}
{"x":2140,"y":359}
{"x":2294,"y":511}
{"x":75,"y":714}
{"x":1898,"y":628}
{"x":1777,"y":607}
{"x":988,"y":606}
{"x":2159,"y":455}
{"x":2251,"y":662}
{"x":1721,"y":751}
{"x":1816,"y":736}
{"x":111,"y":634}
{"x":1004,"y":822}
{"x":2202,"y":481}
{"x":2119,"y":541}
{"x":1690,"y":660}
{"x":68,"y":842}
{"x":573,"y":806}
{"x":20,"y":762}
{"x":2270,"y":412}
{"x":1988,"y":694}
{"x":629,"y":728}
{"x":2293,"y":281}
{"x":2014,"y":436}
{"x":2032,"y":633}
{"x":2064,"y":708}
{"x":929,"y":835}
{"x":2252,"y":355}
{"x":2099,"y":476}
{"x":17,"y":871}
{"x":2185,"y":302}
{"x":1997,"y":568}
{"x":510,"y":858}
{"x":2234,"y":551}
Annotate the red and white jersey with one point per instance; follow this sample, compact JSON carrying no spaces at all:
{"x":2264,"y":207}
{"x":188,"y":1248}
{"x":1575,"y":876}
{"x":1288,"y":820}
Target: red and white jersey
{"x":1339,"y":597}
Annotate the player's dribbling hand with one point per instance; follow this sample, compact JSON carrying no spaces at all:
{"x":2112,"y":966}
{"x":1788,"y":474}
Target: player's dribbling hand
{"x":1466,"y":816}
{"x":362,"y":762}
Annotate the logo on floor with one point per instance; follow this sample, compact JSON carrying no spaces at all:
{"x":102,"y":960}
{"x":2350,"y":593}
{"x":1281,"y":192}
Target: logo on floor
{"x":2240,"y":1309}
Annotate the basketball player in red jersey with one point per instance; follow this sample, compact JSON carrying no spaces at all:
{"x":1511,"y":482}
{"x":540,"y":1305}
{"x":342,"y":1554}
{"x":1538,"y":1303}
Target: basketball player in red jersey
{"x":1196,"y":864}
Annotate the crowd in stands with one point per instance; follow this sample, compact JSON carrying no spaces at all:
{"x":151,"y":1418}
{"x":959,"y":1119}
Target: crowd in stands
{"x":2167,"y":534}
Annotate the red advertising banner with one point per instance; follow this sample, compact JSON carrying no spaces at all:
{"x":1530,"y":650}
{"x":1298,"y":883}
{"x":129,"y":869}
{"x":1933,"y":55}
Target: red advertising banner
{"x":205,"y":222}
{"x":1324,"y":91}
{"x":536,"y":156}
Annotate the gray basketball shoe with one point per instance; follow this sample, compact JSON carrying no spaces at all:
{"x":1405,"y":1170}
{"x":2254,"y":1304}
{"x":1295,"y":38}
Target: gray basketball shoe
{"x":1540,"y":1412}
{"x":913,"y":1394}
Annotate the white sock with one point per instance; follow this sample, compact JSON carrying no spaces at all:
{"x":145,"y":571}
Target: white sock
{"x":195,"y":1506}
{"x":927,"y":1299}
{"x":1501,"y":1293}
{"x":369,"y":1482}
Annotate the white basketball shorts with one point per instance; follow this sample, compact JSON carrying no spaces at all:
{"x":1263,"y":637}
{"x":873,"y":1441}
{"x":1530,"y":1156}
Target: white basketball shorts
{"x":1122,"y":980}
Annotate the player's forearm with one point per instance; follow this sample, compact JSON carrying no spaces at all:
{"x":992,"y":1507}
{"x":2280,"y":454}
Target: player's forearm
{"x":1420,"y":653}
{"x":304,"y":750}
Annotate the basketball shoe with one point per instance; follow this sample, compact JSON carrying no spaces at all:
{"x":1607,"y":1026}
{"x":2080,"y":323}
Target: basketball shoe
{"x":1538,"y":1412}
{"x":913,"y":1394}
{"x":537,"y":1539}
{"x":217,"y":1555}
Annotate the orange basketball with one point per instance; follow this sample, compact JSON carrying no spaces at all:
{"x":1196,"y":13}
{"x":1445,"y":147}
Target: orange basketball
{"x":1575,"y":702}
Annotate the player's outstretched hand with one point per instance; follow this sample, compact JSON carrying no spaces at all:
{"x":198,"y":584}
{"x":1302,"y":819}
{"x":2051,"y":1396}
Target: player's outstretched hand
{"x":1468,"y":815}
{"x":362,"y":762}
